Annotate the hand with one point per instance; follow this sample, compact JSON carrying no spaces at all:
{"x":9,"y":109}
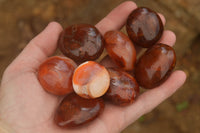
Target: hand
{"x":27,"y":108}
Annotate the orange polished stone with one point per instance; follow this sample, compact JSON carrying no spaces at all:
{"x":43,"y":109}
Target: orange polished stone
{"x":121,"y":49}
{"x":55,"y":75}
{"x":123,"y":88}
{"x":90,"y":80}
{"x":155,"y":66}
{"x":75,"y":111}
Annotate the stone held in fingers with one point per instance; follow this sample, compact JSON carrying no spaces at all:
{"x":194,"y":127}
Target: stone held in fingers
{"x":74,"y":111}
{"x":91,"y":80}
{"x":123,"y":88}
{"x":55,"y":75}
{"x":81,"y":42}
{"x":144,"y":27}
{"x":121,"y":49}
{"x":155,"y":66}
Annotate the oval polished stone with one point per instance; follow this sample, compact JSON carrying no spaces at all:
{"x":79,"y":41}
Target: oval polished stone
{"x":81,"y":42}
{"x":74,"y":111}
{"x":123,"y":88}
{"x":144,"y":27}
{"x":55,"y":75}
{"x":121,"y":49}
{"x":155,"y":66}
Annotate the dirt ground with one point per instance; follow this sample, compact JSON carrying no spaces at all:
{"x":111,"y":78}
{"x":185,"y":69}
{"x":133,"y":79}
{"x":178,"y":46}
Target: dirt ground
{"x":22,"y":20}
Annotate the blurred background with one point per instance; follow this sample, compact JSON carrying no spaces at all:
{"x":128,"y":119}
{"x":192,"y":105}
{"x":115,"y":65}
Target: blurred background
{"x":21,"y":20}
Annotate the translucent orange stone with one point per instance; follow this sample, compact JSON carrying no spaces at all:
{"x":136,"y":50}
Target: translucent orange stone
{"x":121,"y":49}
{"x":55,"y":75}
{"x":91,"y":80}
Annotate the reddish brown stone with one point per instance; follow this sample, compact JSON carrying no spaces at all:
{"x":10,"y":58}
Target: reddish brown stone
{"x":144,"y":27}
{"x":55,"y":75}
{"x":155,"y":66}
{"x":75,"y":111}
{"x":81,"y":42}
{"x":120,"y":49}
{"x":123,"y":87}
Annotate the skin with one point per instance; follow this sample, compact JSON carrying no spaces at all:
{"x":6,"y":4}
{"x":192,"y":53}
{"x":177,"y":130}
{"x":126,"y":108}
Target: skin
{"x":26,"y":108}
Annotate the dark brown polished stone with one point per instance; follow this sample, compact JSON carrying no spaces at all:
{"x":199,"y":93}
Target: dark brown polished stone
{"x":155,"y":66}
{"x":144,"y":27}
{"x":81,"y":42}
{"x":74,"y":111}
{"x":123,"y":88}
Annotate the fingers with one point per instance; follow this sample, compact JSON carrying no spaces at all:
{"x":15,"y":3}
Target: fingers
{"x":46,"y":41}
{"x":162,"y":18}
{"x":168,"y":38}
{"x":116,"y":19}
{"x":152,"y":98}
{"x":38,"y":49}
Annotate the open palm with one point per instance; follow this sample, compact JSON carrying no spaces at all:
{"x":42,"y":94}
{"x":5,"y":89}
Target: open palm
{"x":26,"y":108}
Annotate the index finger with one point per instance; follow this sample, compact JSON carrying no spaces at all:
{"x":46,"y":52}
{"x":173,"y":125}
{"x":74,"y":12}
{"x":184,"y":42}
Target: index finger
{"x":116,"y":19}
